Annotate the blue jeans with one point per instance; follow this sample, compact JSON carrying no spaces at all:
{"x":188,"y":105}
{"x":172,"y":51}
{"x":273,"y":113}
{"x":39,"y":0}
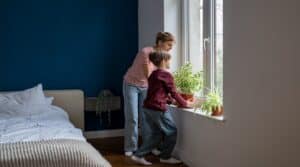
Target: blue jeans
{"x":133,"y":110}
{"x":158,"y":123}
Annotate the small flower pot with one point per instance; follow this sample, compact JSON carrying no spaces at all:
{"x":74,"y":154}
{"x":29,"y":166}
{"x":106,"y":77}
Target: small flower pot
{"x":188,"y":97}
{"x":217,"y":111}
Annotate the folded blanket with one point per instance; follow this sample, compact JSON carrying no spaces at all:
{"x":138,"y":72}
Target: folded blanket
{"x":51,"y":153}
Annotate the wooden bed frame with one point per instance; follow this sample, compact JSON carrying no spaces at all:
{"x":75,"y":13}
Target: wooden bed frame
{"x":72,"y":101}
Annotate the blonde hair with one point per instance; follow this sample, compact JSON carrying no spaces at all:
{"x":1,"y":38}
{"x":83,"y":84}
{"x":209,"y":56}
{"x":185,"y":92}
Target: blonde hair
{"x":164,"y":37}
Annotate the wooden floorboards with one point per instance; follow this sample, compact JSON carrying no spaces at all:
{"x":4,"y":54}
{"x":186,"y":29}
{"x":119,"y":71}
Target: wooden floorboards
{"x":112,"y":150}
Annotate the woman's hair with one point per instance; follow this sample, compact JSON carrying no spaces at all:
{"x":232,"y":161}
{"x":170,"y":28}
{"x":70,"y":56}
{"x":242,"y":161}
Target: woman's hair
{"x":164,"y":37}
{"x":157,"y":57}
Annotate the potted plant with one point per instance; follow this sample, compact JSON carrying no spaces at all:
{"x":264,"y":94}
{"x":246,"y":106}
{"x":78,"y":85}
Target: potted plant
{"x":187,"y":82}
{"x":213,"y":103}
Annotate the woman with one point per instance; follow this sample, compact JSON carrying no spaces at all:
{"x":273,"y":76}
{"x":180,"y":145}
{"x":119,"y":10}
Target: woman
{"x":135,"y":86}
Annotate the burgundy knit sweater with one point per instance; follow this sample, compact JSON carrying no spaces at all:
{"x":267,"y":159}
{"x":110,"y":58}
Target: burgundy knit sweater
{"x":161,"y":85}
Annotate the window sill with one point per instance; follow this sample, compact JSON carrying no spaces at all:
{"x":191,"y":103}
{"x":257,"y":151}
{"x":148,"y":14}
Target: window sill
{"x":199,"y":112}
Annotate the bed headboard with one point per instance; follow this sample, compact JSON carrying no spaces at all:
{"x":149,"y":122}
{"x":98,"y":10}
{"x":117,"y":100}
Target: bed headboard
{"x":72,"y":101}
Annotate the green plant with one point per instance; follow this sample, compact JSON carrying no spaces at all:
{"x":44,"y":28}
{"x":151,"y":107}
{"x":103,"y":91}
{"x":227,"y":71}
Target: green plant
{"x":213,"y":100}
{"x":186,"y":81}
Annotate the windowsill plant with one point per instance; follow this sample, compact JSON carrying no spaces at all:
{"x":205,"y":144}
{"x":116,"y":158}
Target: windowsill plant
{"x":187,"y":82}
{"x":213,"y":104}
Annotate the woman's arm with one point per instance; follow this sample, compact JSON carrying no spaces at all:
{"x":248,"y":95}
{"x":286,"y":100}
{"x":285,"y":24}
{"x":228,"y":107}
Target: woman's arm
{"x":146,"y":70}
{"x":146,"y":62}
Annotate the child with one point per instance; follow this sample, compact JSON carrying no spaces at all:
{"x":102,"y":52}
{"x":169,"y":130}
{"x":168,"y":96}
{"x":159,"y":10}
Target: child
{"x":157,"y":117}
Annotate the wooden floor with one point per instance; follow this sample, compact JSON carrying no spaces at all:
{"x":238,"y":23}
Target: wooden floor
{"x":112,"y":150}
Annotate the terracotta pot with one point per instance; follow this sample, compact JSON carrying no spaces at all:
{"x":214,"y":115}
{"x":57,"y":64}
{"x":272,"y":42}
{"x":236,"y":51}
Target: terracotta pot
{"x":188,"y":97}
{"x":217,"y":111}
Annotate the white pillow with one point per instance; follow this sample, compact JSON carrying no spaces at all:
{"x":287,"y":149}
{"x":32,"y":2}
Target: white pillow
{"x":30,"y":96}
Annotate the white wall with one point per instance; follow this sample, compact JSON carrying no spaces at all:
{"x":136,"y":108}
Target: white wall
{"x":151,"y":21}
{"x":153,"y":18}
{"x":261,"y":92}
{"x":172,"y":24}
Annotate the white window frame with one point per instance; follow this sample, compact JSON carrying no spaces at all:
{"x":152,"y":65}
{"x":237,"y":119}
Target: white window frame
{"x":209,"y":40}
{"x":185,"y":31}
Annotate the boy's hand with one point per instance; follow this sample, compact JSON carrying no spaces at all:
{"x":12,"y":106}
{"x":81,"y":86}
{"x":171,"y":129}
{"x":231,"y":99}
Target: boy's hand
{"x":190,"y":104}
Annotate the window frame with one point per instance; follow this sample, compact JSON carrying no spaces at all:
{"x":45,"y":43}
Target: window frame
{"x":209,"y":40}
{"x":185,"y":31}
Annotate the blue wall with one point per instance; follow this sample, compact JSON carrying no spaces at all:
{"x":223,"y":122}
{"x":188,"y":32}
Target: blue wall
{"x":65,"y":44}
{"x":86,"y":44}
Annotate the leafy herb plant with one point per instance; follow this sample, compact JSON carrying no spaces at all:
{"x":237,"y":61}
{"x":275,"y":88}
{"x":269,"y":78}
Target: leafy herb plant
{"x":188,"y":82}
{"x":213,"y":100}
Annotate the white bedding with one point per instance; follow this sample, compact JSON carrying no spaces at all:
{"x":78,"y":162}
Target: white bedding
{"x":19,"y":123}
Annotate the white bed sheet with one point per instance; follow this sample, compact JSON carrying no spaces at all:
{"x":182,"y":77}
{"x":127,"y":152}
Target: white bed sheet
{"x":20,"y":123}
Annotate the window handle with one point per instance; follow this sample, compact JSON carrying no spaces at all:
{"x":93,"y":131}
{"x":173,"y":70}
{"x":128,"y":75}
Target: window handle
{"x":206,"y":42}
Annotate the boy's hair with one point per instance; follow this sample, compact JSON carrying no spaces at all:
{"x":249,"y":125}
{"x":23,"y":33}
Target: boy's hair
{"x":158,"y":56}
{"x":164,"y":37}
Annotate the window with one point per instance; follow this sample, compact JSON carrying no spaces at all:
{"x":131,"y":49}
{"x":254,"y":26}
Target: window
{"x":203,"y":39}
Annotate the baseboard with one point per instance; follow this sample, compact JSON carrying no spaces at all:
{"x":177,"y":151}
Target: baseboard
{"x":104,"y":133}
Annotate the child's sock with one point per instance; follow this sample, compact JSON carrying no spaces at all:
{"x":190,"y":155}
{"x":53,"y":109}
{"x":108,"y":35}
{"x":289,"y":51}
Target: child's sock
{"x":141,"y":161}
{"x":156,"y":152}
{"x":128,"y":153}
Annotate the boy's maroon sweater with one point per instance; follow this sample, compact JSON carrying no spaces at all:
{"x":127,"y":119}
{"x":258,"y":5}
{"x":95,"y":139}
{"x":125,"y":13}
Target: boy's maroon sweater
{"x":161,"y":84}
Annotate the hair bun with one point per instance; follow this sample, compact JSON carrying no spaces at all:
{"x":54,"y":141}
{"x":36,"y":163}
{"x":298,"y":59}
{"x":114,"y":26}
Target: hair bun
{"x":164,"y":36}
{"x":160,"y":34}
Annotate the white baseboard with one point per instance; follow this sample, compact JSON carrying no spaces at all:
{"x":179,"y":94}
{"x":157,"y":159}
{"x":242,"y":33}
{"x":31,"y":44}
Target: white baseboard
{"x":104,"y":133}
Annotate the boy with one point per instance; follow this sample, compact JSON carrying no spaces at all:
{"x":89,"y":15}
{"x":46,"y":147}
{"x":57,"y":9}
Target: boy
{"x":157,"y":117}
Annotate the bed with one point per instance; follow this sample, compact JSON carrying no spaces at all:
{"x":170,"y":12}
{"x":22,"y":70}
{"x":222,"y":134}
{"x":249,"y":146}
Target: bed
{"x":45,"y":133}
